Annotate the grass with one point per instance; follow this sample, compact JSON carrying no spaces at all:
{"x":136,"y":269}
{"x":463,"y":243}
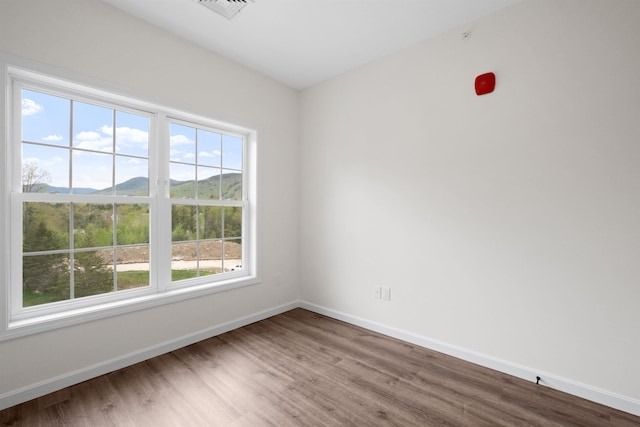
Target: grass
{"x":126,"y":280}
{"x":31,"y":298}
{"x":134,"y":279}
{"x":189,"y":274}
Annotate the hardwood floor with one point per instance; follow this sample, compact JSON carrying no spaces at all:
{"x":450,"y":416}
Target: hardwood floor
{"x":301,"y":368}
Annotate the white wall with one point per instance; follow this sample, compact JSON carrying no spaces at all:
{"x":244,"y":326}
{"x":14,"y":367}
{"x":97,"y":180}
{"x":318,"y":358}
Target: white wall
{"x":507,"y":224}
{"x":93,"y":39}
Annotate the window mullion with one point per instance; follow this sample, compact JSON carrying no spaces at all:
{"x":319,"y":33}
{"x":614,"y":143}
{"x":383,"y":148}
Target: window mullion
{"x":14,"y":295}
{"x":161,"y":219}
{"x":85,"y":160}
{"x":72,"y":253}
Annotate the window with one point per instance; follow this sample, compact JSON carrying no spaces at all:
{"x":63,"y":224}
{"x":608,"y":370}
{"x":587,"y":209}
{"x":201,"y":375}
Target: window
{"x":117,"y":203}
{"x":206,"y":201}
{"x":85,"y":198}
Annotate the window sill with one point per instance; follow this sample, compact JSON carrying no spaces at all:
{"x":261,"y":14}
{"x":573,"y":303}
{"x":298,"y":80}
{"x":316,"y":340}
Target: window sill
{"x":43,"y":323}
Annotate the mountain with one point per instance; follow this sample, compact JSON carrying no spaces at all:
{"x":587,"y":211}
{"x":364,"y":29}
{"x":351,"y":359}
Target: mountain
{"x":138,"y":186}
{"x":43,"y":188}
{"x":208,"y":188}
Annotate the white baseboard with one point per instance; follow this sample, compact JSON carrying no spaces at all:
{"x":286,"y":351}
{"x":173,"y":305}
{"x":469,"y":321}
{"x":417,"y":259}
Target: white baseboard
{"x":584,"y":391}
{"x":33,"y":391}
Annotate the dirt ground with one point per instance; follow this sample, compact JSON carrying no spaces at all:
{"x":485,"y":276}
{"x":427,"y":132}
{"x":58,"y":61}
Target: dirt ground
{"x":180,"y":252}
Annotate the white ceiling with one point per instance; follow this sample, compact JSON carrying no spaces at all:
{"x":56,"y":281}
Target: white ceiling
{"x":302,"y":42}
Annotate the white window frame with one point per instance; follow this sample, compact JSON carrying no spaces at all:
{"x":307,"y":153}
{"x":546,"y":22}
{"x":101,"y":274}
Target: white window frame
{"x":18,"y":321}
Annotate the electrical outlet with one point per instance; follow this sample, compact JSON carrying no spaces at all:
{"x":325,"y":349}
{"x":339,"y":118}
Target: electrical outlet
{"x":377,"y":292}
{"x":277,"y":281}
{"x":386,"y":294}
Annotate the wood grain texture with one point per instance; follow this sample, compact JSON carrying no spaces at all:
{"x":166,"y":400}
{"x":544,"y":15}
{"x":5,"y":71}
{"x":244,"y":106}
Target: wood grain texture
{"x":304,"y":369}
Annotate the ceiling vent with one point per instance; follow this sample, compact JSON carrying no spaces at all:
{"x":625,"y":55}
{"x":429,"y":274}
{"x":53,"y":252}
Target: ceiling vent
{"x":226,"y":8}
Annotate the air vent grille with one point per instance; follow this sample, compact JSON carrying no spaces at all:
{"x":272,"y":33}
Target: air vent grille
{"x":226,"y":8}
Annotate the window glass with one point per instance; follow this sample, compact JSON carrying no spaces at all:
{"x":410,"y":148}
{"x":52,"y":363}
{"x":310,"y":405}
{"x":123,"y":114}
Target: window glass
{"x":92,"y":127}
{"x":209,"y":149}
{"x":183,"y":143}
{"x":45,"y":169}
{"x":131,"y":134}
{"x":45,"y":118}
{"x":91,"y":218}
{"x":232,"y":152}
{"x":212,"y":230}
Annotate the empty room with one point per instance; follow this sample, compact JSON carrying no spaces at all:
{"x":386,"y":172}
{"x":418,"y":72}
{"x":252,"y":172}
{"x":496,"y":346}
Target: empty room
{"x":320,"y":212}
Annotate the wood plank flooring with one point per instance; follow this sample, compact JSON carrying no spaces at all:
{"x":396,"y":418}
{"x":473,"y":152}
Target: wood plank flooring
{"x":303,"y":369}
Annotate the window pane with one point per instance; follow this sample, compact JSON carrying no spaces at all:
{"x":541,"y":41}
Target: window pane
{"x":132,"y":225}
{"x":45,"y":226}
{"x":132,"y":176}
{"x":210,"y":257}
{"x":208,"y":183}
{"x":92,"y":127}
{"x":91,"y":274}
{"x":183,"y":181}
{"x":183,"y":223}
{"x":133,"y":267}
{"x":231,"y":152}
{"x":183,"y":143}
{"x":132,"y":134}
{"x":232,"y":255}
{"x":45,"y":279}
{"x":92,"y":150}
{"x":45,"y":118}
{"x":210,"y":222}
{"x":231,"y":185}
{"x":45,"y":169}
{"x":209,"y":148}
{"x":184,"y":261}
{"x":232,"y":222}
{"x":92,"y":171}
{"x":92,"y":225}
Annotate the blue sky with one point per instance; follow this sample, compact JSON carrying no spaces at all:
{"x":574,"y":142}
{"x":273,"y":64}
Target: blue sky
{"x":46,"y":121}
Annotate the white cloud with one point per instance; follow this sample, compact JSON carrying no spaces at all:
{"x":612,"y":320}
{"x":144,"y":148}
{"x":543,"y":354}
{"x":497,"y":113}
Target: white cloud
{"x":102,"y":139}
{"x":107,"y":130}
{"x":180,"y":140}
{"x":30,"y":107}
{"x":87,"y":136}
{"x":215,"y":153}
{"x":92,"y":140}
{"x":126,"y":134}
{"x":132,"y":135}
{"x":52,"y":138}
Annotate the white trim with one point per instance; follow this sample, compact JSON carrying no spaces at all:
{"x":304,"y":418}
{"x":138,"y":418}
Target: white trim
{"x":22,"y":322}
{"x":115,"y":308}
{"x":584,"y":391}
{"x":566,"y":385}
{"x":5,"y":191}
{"x":33,"y":391}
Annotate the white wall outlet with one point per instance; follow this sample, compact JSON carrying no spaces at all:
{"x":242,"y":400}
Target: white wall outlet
{"x":386,"y":294}
{"x":277,"y":281}
{"x":377,"y":292}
